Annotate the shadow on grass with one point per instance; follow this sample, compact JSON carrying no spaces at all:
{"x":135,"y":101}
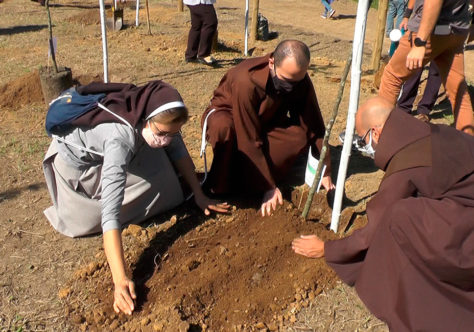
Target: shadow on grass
{"x":442,"y":110}
{"x":10,"y":194}
{"x":344,"y":17}
{"x":77,"y":5}
{"x":22,"y":29}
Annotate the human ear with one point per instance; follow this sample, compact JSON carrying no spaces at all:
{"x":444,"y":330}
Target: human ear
{"x":376,"y":131}
{"x":271,"y":63}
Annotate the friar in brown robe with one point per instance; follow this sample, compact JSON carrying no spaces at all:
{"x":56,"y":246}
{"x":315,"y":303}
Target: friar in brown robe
{"x":263,"y":115}
{"x":413,"y":263}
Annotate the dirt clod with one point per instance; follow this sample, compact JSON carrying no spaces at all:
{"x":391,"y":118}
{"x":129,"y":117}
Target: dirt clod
{"x":64,"y":292}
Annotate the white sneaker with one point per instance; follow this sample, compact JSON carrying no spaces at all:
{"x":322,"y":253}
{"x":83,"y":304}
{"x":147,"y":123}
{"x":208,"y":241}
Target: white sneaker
{"x":331,"y":13}
{"x":209,"y":60}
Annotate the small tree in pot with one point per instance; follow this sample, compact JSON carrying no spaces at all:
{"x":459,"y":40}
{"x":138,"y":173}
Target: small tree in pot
{"x":54,"y":80}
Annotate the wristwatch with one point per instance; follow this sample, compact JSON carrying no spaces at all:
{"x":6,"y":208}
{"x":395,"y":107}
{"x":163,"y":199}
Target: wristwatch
{"x":419,"y":42}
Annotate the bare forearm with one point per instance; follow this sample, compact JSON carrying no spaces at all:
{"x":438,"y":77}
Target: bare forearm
{"x":431,"y":10}
{"x":114,"y":252}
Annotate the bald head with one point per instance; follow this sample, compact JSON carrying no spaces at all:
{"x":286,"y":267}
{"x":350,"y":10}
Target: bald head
{"x":294,"y":49}
{"x":372,"y":114}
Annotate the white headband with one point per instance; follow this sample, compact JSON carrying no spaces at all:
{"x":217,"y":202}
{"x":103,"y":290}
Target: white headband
{"x":165,"y":107}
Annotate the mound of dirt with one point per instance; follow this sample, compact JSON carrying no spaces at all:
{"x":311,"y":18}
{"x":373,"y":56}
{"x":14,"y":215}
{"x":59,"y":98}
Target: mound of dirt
{"x":232,"y":272}
{"x":87,"y":17}
{"x":27,"y":89}
{"x":22,"y":91}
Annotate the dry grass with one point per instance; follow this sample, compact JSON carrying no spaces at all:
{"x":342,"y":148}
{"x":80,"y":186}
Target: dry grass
{"x":338,"y":309}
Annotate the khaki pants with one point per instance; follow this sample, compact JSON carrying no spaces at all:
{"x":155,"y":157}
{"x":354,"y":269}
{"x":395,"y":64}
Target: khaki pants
{"x":448,"y":54}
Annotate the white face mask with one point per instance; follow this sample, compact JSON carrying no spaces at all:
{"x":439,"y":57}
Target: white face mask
{"x":366,"y":148}
{"x":155,"y":141}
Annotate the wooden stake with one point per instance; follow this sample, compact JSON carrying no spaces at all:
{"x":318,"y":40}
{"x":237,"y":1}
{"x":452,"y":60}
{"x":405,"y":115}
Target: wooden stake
{"x":148,"y":17}
{"x":381,"y":23}
{"x":51,"y":45}
{"x":254,"y":27}
{"x":322,"y":155}
{"x":180,"y":5}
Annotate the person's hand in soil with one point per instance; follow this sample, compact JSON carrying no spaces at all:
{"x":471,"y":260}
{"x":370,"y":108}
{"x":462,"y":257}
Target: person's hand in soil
{"x":327,"y":183}
{"x":186,"y":167}
{"x":124,"y":296}
{"x":271,"y":198}
{"x":308,"y":245}
{"x":207,"y":205}
{"x":124,"y":292}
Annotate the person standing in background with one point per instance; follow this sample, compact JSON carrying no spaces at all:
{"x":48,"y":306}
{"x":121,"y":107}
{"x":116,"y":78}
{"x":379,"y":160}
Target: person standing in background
{"x":410,"y":87}
{"x":396,"y":9}
{"x":437,"y":31}
{"x":203,"y":28}
{"x":328,"y":11}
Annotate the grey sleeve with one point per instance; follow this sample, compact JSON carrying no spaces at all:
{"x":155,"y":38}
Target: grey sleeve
{"x":176,"y":149}
{"x":117,"y":155}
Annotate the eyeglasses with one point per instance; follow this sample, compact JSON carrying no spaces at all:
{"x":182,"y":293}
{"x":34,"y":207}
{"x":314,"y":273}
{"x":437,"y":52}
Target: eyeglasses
{"x":361,"y":140}
{"x":158,"y":132}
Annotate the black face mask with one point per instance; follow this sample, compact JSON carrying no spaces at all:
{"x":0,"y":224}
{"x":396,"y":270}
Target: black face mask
{"x":282,"y":86}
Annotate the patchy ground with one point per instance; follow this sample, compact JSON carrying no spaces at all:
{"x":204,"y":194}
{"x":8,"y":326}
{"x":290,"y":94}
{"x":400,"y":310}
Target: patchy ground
{"x":218,"y":273}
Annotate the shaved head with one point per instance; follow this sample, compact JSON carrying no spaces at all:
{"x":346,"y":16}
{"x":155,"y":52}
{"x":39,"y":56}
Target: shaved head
{"x":294,"y":49}
{"x":372,"y":114}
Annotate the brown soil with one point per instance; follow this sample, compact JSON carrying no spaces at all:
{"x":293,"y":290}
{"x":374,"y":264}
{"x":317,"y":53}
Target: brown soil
{"x":223,"y":273}
{"x":192,"y":272}
{"x":87,"y":17}
{"x":22,"y":91}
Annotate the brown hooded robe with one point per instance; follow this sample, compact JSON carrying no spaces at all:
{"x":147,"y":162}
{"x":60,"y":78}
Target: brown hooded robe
{"x":413,"y":264}
{"x":257,"y":133}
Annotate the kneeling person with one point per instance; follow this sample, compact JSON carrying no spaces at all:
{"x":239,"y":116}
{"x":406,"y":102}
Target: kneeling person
{"x":114,"y":166}
{"x":413,"y":263}
{"x":263,"y":115}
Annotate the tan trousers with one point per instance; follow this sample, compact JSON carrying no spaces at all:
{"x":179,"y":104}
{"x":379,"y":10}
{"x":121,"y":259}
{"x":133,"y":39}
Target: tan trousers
{"x":448,"y":54}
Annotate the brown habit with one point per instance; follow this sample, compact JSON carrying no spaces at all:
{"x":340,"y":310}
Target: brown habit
{"x":257,"y":133}
{"x":413,"y":264}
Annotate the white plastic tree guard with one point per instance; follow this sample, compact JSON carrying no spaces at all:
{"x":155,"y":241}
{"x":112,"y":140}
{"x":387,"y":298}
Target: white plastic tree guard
{"x":246,"y":47}
{"x":136,"y":14}
{"x":357,"y":48}
{"x":104,"y":40}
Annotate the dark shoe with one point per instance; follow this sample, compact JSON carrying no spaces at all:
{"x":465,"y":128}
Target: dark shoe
{"x":208,"y":61}
{"x":423,"y":117}
{"x":191,"y":60}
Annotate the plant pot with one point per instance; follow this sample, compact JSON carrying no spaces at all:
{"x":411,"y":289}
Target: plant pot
{"x":52,"y":83}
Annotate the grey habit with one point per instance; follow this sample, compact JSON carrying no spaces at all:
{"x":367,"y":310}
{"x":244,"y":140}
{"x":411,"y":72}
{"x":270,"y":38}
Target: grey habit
{"x":120,"y":180}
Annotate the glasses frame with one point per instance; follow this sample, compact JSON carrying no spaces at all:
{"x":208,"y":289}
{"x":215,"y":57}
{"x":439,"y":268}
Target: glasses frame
{"x":361,"y":141}
{"x":161,"y":133}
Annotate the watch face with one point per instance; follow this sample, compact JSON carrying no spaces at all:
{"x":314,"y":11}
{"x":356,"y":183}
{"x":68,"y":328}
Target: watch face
{"x":419,"y":42}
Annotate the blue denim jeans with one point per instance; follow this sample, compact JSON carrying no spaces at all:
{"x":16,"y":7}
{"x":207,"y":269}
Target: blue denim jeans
{"x":327,"y":7}
{"x":396,"y":9}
